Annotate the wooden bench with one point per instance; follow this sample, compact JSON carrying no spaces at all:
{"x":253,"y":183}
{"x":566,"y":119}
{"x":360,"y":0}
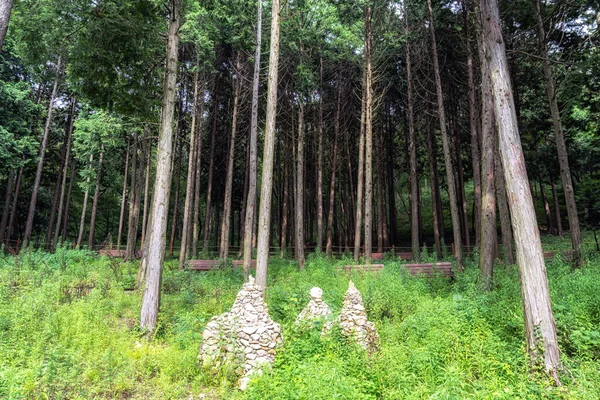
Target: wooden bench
{"x":360,"y":268}
{"x":203,"y":265}
{"x":443,"y":268}
{"x":240,"y":263}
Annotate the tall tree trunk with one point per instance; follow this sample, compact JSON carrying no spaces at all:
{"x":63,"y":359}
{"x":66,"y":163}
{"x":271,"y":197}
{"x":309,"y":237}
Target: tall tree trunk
{"x":460,"y":188}
{"x":286,"y":201}
{"x":542,"y":343}
{"x":162,"y":183}
{"x":488,"y":240}
{"x":561,"y":147}
{"x":225,"y":226}
{"x":329,"y":228}
{"x":250,"y":216}
{"x":368,"y":137}
{"x":380,"y":196}
{"x":456,"y":228}
{"x":178,"y":155}
{"x":146,"y":189}
{"x":412,"y":149}
{"x":435,"y":191}
{"x":319,"y":246}
{"x":475,"y":157}
{"x":198,"y":163}
{"x":361,"y":165}
{"x":264,"y":218}
{"x":65,"y":222}
{"x":92,"y":233}
{"x":559,"y":229}
{"x":505,"y":226}
{"x":13,"y":211}
{"x":546,"y":205}
{"x":5,"y":11}
{"x":189,"y":184}
{"x":123,"y":195}
{"x":299,"y":231}
{"x":132,"y":225}
{"x":6,"y":208}
{"x":213,"y":137}
{"x":84,"y":206}
{"x":64,"y":173}
{"x":40,"y":164}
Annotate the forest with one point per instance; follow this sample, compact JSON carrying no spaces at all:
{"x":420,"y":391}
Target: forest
{"x":431,"y":166}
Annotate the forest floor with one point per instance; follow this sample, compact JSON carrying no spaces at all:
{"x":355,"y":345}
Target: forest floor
{"x":69,"y":329}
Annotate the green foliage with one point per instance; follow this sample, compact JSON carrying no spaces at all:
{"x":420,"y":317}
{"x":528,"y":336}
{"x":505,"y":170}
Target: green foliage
{"x":68,"y":329}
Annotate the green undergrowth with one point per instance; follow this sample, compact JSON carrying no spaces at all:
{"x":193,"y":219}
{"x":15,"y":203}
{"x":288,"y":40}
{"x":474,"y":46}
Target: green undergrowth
{"x":69,"y":330}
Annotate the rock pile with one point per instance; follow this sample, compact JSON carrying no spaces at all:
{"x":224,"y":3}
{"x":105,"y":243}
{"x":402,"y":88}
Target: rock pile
{"x":353,"y":321}
{"x":316,"y":307}
{"x":246,"y":337}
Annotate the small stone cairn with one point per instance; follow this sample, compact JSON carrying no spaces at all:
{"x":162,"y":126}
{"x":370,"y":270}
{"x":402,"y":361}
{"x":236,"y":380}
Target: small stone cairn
{"x":353,"y":321}
{"x":246,"y":336}
{"x":315,"y":309}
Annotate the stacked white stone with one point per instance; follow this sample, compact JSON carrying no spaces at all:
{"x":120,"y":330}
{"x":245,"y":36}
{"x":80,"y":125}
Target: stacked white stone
{"x":246,"y":336}
{"x":316,"y":307}
{"x":353,"y":321}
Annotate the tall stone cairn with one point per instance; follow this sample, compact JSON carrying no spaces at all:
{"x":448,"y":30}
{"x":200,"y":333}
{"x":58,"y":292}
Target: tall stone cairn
{"x":353,"y":321}
{"x":315,"y":309}
{"x":245,"y":337}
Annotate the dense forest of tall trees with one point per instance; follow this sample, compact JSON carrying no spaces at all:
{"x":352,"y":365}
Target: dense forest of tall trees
{"x":193,"y":129}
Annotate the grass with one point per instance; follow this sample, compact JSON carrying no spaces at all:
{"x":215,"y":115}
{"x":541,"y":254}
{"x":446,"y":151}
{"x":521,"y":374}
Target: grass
{"x":68,"y":329}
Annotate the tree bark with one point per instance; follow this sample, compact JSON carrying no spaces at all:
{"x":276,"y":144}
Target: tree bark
{"x":162,"y":183}
{"x":361,"y":165}
{"x":330,"y":213}
{"x":456,"y":228}
{"x":225,"y":225}
{"x":266,"y":190}
{"x":211,"y":164}
{"x":134,"y":212}
{"x":368,"y":137}
{"x":542,"y":343}
{"x":505,"y":226}
{"x":146,"y":190}
{"x":13,"y":211}
{"x":412,"y":149}
{"x":6,"y":208}
{"x":84,"y":206}
{"x":319,"y":246}
{"x":286,"y":200}
{"x":123,"y":195}
{"x":40,"y":164}
{"x":435,"y":192}
{"x":561,"y":147}
{"x":300,"y":189}
{"x":5,"y":11}
{"x":92,"y":233}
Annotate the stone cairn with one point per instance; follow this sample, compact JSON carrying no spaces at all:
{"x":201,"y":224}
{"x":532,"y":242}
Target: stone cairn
{"x":315,"y":309}
{"x":245,"y":337}
{"x":353,"y":321}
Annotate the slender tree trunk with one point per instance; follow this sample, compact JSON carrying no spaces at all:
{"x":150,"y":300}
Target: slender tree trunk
{"x":213,"y":137}
{"x":176,"y":205}
{"x":412,"y":149}
{"x":84,"y":206}
{"x":368,"y":137}
{"x":299,"y":231}
{"x":6,"y":208}
{"x":198,"y":175}
{"x":460,"y":187}
{"x":132,"y":225}
{"x":189,"y":186}
{"x":264,"y":218}
{"x":435,"y":192}
{"x":475,"y":158}
{"x":40,"y":164}
{"x":146,"y":190}
{"x":542,"y":343}
{"x":123,"y":195}
{"x":488,"y":240}
{"x":319,"y":246}
{"x":456,"y":228}
{"x":13,"y":211}
{"x":559,"y":229}
{"x":162,"y":184}
{"x":92,"y":233}
{"x":63,"y":185}
{"x":330,"y":214}
{"x":380,"y":197}
{"x":250,"y":216}
{"x":5,"y":11}
{"x":65,"y":222}
{"x":224,"y":253}
{"x":546,"y":206}
{"x":505,"y":226}
{"x":286,"y":201}
{"x":361,"y":165}
{"x":561,"y":147}
{"x":57,"y":189}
